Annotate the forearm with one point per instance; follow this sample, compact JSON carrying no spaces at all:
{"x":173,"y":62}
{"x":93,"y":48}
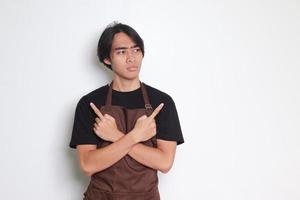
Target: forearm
{"x":102,"y":158}
{"x":151,"y":157}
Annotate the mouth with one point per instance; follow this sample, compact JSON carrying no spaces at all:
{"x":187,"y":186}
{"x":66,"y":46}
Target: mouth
{"x":132,"y":69}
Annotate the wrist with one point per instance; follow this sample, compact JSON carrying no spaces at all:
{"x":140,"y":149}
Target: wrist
{"x":133,"y":136}
{"x":119,"y":135}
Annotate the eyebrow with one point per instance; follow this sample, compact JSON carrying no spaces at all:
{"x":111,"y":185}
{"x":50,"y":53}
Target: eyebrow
{"x":119,"y":48}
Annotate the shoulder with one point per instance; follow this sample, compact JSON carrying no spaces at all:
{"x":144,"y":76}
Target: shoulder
{"x":157,"y":96}
{"x":97,"y":96}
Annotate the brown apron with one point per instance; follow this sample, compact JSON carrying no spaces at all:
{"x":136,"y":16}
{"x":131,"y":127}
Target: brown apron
{"x":127,"y":179}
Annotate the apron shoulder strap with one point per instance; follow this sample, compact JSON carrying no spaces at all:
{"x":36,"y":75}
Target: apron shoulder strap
{"x":146,"y":98}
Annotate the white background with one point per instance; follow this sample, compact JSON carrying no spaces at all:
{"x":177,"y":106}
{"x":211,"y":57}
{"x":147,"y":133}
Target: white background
{"x":232,"y":67}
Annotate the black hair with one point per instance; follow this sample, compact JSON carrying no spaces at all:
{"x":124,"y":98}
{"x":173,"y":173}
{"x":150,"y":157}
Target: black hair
{"x":106,"y":38}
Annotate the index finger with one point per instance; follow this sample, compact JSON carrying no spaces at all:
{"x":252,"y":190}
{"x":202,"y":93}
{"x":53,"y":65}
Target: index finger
{"x":96,"y":110}
{"x":156,"y":111}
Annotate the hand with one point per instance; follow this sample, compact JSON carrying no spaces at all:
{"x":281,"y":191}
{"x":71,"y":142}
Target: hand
{"x":145,"y":127}
{"x":105,"y":126}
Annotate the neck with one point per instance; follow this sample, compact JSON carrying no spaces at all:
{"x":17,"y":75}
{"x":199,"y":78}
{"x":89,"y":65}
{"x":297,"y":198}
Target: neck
{"x":125,"y":85}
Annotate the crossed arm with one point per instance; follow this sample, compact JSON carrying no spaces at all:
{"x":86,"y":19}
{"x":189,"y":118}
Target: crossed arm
{"x":93,"y":160}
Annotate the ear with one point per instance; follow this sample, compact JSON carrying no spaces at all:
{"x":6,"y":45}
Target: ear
{"x":107,"y":61}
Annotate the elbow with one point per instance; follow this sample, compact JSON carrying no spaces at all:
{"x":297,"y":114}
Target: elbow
{"x":88,"y":173}
{"x":86,"y":169}
{"x":166,"y":168}
{"x":164,"y":171}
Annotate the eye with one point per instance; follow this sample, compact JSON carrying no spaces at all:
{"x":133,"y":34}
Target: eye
{"x":136,"y":50}
{"x":120,"y":51}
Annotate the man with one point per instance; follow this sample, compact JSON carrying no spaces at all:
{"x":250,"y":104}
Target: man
{"x":121,"y":140}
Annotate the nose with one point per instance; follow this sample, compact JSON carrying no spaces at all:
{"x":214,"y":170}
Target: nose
{"x":130,"y":56}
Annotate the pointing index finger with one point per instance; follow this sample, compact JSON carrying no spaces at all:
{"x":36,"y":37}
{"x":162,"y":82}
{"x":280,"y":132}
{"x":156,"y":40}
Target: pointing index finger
{"x":96,"y":110}
{"x":156,"y":111}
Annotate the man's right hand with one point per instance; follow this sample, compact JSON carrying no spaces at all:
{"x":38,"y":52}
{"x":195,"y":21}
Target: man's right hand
{"x":145,"y":127}
{"x":105,"y":126}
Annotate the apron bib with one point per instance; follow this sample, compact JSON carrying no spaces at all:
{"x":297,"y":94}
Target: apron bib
{"x":127,"y":179}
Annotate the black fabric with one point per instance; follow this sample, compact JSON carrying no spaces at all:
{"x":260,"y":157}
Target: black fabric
{"x":167,"y":121}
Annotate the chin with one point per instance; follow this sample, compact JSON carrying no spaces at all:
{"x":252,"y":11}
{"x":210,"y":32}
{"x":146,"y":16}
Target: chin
{"x":132,"y":77}
{"x":129,"y":75}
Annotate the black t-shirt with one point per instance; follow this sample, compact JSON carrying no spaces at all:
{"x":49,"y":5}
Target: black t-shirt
{"x":167,"y":122}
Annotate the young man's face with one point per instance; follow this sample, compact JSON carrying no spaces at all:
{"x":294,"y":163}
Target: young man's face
{"x":125,"y":57}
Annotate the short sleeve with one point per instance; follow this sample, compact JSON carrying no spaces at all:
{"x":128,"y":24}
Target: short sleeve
{"x":168,"y":125}
{"x":82,"y":132}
